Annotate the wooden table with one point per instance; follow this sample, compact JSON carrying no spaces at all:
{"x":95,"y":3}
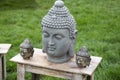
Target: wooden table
{"x":38,"y":64}
{"x":3,"y":51}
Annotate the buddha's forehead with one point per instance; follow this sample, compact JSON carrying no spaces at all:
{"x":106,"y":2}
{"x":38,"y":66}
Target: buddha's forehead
{"x":64,"y":31}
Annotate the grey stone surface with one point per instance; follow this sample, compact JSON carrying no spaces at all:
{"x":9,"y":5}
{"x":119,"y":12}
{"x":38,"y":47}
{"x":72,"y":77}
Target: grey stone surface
{"x":26,"y":49}
{"x":58,"y":33}
{"x":83,"y":57}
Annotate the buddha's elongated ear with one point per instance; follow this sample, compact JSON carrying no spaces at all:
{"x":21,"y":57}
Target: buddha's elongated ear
{"x":71,"y":50}
{"x":44,"y":50}
{"x":75,"y":33}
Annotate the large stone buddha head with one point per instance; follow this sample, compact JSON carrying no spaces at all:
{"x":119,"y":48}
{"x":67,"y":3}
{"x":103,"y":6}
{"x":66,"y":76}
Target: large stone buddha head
{"x":58,"y":33}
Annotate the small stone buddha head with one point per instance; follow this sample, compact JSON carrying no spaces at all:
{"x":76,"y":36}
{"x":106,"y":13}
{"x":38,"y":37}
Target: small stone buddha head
{"x":83,"y":57}
{"x":26,"y":49}
{"x":58,"y":33}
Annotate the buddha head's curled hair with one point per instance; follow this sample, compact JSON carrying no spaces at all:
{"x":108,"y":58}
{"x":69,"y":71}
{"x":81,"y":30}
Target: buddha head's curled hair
{"x":59,"y":17}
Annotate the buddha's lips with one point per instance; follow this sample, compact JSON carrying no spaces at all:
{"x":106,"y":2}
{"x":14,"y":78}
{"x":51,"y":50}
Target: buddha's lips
{"x":51,"y":48}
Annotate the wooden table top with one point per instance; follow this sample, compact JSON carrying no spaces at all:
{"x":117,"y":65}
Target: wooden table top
{"x":4,"y":48}
{"x":39,"y":59}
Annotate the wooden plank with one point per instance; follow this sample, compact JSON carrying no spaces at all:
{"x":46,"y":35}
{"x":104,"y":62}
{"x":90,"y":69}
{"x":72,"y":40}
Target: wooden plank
{"x":77,"y":77}
{"x":20,"y":72}
{"x":1,"y":77}
{"x":40,"y":59}
{"x":45,"y":71}
{"x":4,"y":48}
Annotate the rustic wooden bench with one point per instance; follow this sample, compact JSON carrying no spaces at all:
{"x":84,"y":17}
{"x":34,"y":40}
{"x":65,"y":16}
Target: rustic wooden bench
{"x":3,"y":51}
{"x":38,"y":64}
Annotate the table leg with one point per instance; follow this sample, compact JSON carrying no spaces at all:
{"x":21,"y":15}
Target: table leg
{"x":4,"y":66}
{"x":35,"y":76}
{"x":20,"y":72}
{"x":1,"y":67}
{"x":90,"y":77}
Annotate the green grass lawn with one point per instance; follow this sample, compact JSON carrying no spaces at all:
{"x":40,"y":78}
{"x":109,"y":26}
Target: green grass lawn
{"x":98,"y":24}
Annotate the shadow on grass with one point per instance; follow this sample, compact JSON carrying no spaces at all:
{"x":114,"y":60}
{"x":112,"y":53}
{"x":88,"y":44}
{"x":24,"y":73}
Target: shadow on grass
{"x":17,"y":4}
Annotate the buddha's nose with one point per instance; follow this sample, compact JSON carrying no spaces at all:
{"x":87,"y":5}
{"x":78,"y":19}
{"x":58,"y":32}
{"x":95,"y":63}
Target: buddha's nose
{"x":51,"y":42}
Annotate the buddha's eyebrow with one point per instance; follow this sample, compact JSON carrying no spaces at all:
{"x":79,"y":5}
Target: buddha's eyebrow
{"x":44,"y":31}
{"x":59,"y":34}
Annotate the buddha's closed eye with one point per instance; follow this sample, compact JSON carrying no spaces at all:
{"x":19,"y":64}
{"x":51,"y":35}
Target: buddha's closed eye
{"x":59,"y":36}
{"x":45,"y":34}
